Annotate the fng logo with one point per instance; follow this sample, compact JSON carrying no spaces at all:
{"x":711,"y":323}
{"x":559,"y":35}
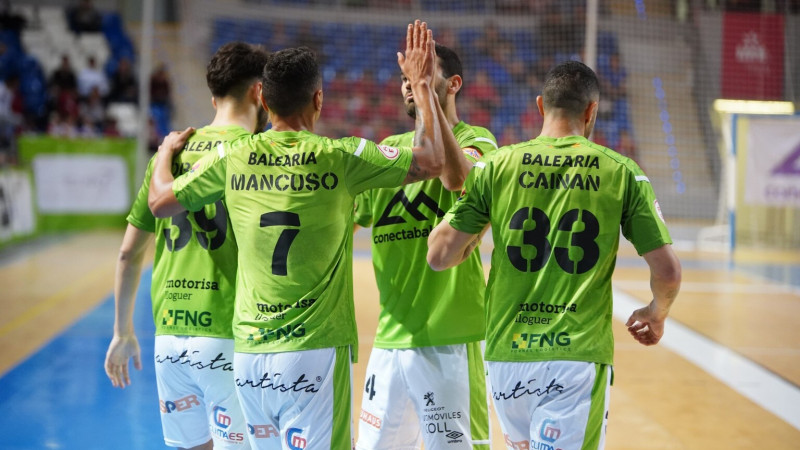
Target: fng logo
{"x":171,"y":317}
{"x":412,"y":207}
{"x":222,"y":420}
{"x":531,"y":340}
{"x":294,"y":440}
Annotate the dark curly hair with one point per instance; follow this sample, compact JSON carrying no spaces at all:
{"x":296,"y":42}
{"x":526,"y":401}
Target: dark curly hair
{"x":234,"y":67}
{"x":570,"y":86}
{"x":290,"y":78}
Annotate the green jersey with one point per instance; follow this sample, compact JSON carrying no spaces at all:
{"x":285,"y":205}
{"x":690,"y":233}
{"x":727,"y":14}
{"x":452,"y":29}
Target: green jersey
{"x":556,"y":208}
{"x":420,"y":307}
{"x":290,"y":198}
{"x":194,"y":270}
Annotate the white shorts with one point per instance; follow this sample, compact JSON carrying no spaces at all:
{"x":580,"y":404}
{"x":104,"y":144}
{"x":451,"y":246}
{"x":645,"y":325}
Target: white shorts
{"x":196,"y":392}
{"x":297,"y":400}
{"x":431,"y":394}
{"x":551,"y":404}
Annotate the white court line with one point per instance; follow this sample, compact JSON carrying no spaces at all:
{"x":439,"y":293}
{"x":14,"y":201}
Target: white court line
{"x":719,"y":288}
{"x":763,"y":387}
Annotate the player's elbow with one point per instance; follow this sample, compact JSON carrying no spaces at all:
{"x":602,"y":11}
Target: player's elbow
{"x":453,"y":183}
{"x":436,"y":262}
{"x":157,"y":207}
{"x":669,"y":275}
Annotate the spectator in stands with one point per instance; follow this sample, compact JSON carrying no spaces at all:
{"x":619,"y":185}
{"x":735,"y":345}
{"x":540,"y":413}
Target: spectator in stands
{"x":613,"y":79}
{"x":160,"y":90}
{"x":124,"y":86}
{"x":84,"y":17}
{"x":62,"y":125}
{"x":161,"y":102}
{"x":11,"y":21}
{"x":63,"y":77}
{"x":482,"y":92}
{"x":626,"y":145}
{"x":9,"y":119}
{"x":91,"y":76}
{"x":92,"y":110}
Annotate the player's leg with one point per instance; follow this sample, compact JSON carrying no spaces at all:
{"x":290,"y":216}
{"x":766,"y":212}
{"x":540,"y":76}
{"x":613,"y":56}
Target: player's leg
{"x":565,"y":403}
{"x":183,"y":414}
{"x":448,"y":387}
{"x":297,"y":399}
{"x":212,"y":361}
{"x":387,"y":418}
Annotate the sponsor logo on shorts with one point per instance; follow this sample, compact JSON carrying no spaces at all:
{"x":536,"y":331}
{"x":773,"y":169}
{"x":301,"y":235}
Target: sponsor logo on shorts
{"x":370,"y":419}
{"x":527,"y":388}
{"x":548,"y":434}
{"x":429,"y":399}
{"x":389,"y":152}
{"x":263,"y":431}
{"x":453,"y":436}
{"x":517,"y":445}
{"x":221,"y":419}
{"x":293,"y":439}
{"x":181,"y":404}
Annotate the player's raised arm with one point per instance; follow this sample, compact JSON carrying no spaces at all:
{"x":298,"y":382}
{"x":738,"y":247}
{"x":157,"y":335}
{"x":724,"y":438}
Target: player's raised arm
{"x":419,"y":66}
{"x":161,"y":199}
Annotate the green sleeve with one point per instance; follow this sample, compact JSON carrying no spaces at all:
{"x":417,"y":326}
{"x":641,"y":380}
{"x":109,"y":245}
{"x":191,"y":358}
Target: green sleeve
{"x":363,"y":209}
{"x":642,"y":222}
{"x":140,"y":216}
{"x":470,"y":213}
{"x":484,"y":140}
{"x":204,"y":183}
{"x":368,"y":165}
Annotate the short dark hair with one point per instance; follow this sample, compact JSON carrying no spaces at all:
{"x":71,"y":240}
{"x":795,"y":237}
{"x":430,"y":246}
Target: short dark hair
{"x":234,"y":67}
{"x":290,"y":78}
{"x":450,"y":63}
{"x":570,"y":86}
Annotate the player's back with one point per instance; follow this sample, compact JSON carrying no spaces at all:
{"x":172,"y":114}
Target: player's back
{"x":556,"y":207}
{"x":291,"y":203}
{"x":194,"y":269}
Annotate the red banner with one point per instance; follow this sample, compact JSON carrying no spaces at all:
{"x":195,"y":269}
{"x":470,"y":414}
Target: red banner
{"x":752,"y":56}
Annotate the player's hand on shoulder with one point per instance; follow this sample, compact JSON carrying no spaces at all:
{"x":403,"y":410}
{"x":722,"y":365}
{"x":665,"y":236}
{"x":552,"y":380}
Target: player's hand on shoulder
{"x":175,"y":141}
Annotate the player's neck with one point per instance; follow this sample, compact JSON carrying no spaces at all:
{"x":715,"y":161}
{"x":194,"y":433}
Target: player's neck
{"x":560,"y":127}
{"x":297,"y":122}
{"x":451,"y":115}
{"x":230,"y":113}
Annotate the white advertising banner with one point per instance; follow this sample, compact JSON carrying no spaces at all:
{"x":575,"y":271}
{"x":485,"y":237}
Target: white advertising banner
{"x":16,"y":205}
{"x":80,"y":184}
{"x":772,"y":172}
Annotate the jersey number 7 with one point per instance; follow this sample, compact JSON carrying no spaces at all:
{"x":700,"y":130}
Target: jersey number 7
{"x":281,"y":253}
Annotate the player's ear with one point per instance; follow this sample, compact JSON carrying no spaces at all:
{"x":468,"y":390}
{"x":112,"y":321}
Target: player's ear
{"x":318,"y":100}
{"x":540,"y":104}
{"x":263,"y":103}
{"x":213,"y":102}
{"x":590,"y":112}
{"x":454,"y":84}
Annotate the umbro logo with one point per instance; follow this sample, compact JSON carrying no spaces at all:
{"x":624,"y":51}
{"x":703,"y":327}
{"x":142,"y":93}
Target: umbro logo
{"x":454,"y":435}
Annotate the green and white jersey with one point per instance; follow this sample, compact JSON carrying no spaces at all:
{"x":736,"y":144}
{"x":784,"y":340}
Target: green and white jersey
{"x":556,"y":207}
{"x":290,"y":198}
{"x":194,"y":270}
{"x":420,"y":307}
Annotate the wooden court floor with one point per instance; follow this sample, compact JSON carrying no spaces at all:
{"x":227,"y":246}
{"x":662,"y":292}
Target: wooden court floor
{"x":727,"y":377}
